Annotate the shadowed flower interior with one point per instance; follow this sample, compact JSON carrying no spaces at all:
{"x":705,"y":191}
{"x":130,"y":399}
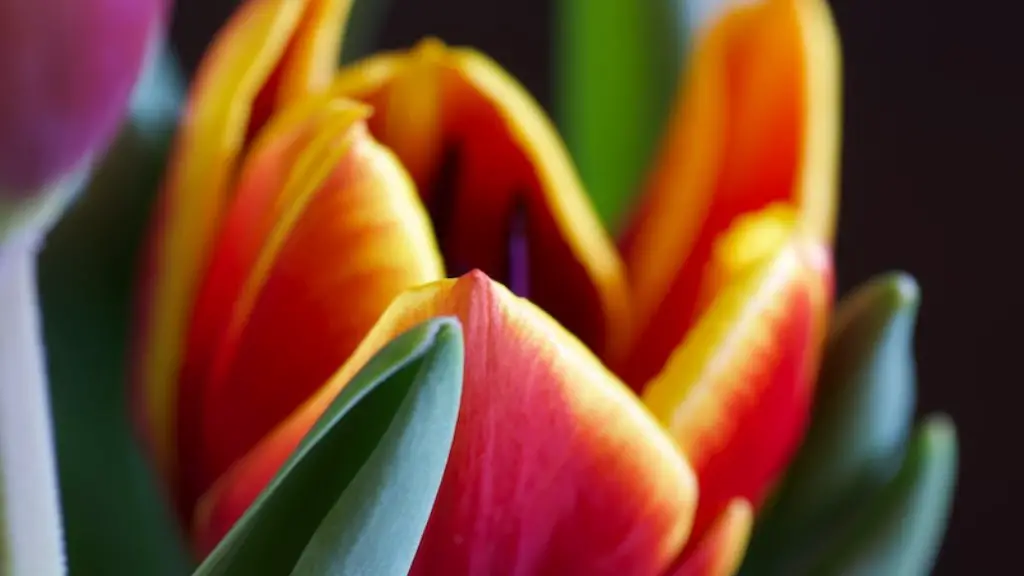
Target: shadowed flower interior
{"x":488,"y":163}
{"x":310,"y":216}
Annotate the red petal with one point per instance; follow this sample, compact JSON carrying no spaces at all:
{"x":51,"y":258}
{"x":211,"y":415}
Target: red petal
{"x":736,"y":393}
{"x":191,"y":205}
{"x":325,"y":230}
{"x":555,"y":467}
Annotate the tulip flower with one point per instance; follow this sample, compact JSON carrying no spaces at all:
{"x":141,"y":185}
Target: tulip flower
{"x":67,"y":69}
{"x":627,"y":406}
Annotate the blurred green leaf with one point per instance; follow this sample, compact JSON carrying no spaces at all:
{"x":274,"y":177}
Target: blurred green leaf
{"x":355,"y":496}
{"x":859,"y":426}
{"x":364,"y":25}
{"x":116,"y":520}
{"x":617,"y":67}
{"x":900,"y":530}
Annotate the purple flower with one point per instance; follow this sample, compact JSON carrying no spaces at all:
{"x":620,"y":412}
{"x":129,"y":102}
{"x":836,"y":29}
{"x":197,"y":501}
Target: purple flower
{"x":67,"y":68}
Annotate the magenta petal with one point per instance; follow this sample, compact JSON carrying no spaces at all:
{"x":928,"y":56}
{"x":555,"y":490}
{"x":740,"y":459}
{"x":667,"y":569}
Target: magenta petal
{"x":67,"y":69}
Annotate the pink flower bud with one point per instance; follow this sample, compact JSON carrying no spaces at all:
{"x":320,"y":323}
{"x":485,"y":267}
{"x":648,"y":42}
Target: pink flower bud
{"x":67,"y":68}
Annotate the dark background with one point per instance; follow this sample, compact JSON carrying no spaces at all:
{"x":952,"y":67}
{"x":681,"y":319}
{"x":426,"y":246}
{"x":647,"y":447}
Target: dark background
{"x":931,"y":161}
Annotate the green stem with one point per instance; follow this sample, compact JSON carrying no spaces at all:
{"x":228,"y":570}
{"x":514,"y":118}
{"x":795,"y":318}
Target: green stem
{"x":30,"y":527}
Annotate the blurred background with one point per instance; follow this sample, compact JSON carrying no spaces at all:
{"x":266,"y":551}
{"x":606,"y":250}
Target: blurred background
{"x":931,"y":151}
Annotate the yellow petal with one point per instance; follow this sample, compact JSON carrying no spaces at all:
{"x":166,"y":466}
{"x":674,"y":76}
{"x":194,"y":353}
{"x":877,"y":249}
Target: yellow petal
{"x":314,"y":53}
{"x":818,"y":182}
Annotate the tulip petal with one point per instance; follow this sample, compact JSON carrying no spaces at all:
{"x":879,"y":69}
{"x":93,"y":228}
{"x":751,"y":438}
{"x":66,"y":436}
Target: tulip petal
{"x":279,"y":310}
{"x":757,"y":124}
{"x":315,"y":50}
{"x":481,"y":151}
{"x":737,"y":392}
{"x":721,"y":550}
{"x":270,"y":53}
{"x":555,"y":467}
{"x":193,"y":200}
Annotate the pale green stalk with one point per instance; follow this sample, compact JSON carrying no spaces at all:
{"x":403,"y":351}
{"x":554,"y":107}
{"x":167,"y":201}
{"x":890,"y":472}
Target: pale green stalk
{"x":31,"y":542}
{"x":31,"y":534}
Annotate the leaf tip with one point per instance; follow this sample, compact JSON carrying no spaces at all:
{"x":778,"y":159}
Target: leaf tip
{"x":903,"y":289}
{"x":897,"y":291}
{"x":447,"y":328}
{"x":938,"y":432}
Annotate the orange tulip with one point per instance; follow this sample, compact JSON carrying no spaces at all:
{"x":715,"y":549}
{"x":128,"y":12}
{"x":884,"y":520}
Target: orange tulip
{"x":625,"y":409}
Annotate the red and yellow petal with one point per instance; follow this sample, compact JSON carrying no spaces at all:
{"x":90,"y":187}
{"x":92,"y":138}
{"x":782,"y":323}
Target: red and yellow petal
{"x":486,"y":159}
{"x":196,"y":190}
{"x":325,"y":230}
{"x":758,"y":123}
{"x":314,"y":52}
{"x":720,"y":552}
{"x":555,"y":467}
{"x":308,"y":63}
{"x":737,"y":392}
{"x":269,"y":54}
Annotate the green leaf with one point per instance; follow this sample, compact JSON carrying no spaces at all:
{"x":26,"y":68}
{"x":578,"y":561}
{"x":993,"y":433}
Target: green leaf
{"x":900,"y":531}
{"x":859,"y":426}
{"x":115,"y":518}
{"x":355,"y":496}
{"x":364,"y":24}
{"x":617,"y":67}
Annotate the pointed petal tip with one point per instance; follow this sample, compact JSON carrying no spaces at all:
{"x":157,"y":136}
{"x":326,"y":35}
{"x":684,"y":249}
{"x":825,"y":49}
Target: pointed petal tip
{"x":546,"y":373}
{"x":431,"y":48}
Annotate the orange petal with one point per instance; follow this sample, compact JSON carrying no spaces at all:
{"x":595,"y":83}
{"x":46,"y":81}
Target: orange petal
{"x":720,"y":552}
{"x":736,"y":393}
{"x":486,"y":159}
{"x":315,"y":50}
{"x":192,"y":202}
{"x":325,"y":230}
{"x":757,"y":124}
{"x":555,"y":467}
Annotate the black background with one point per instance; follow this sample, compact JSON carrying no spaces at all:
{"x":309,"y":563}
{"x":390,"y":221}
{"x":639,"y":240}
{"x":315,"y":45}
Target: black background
{"x":931,"y":161}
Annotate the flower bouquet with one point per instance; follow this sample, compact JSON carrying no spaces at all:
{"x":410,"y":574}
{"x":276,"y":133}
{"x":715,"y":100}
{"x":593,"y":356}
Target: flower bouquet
{"x":386,"y":317}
